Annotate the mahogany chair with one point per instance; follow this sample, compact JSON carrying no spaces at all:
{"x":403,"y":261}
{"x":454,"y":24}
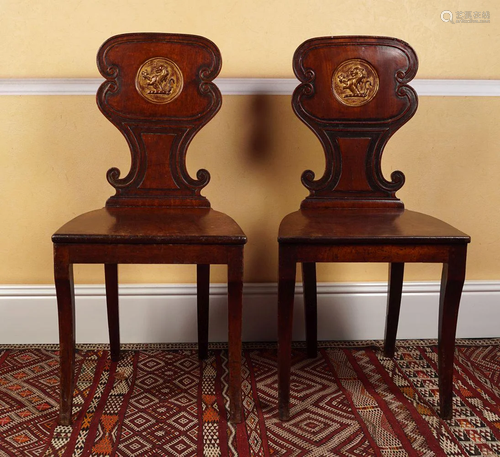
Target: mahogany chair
{"x":354,"y":95}
{"x":159,"y":93}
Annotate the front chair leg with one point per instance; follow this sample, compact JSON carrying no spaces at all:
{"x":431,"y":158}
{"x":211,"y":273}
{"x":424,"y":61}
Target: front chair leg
{"x":235,"y":304}
{"x":286,"y":291}
{"x":310,"y":308}
{"x":396,"y":271}
{"x":111,"y":279}
{"x":63,"y":275}
{"x":203,"y":294}
{"x":452,"y":282}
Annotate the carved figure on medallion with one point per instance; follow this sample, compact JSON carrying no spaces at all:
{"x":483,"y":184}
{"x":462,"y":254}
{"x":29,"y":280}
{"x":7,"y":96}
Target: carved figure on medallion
{"x":355,"y":82}
{"x":159,"y":80}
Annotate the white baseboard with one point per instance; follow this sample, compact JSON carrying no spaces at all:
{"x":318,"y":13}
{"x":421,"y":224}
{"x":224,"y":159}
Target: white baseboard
{"x":167,"y":313}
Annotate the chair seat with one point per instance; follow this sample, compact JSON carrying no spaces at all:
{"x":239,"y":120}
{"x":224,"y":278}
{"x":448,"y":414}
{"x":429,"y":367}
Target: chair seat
{"x":132,"y":225}
{"x":362,"y":226}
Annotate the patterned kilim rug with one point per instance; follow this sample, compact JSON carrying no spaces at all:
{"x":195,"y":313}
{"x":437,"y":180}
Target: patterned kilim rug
{"x":159,"y":400}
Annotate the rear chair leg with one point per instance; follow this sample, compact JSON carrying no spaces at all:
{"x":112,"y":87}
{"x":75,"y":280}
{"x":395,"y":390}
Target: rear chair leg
{"x":203,"y":293}
{"x":396,"y":271}
{"x":111,"y":279}
{"x":310,"y":308}
{"x":286,"y":291}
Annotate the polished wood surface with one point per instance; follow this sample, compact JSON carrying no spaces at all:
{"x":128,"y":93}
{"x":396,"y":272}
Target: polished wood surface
{"x":158,"y":133}
{"x":366,"y":226}
{"x":352,"y":213}
{"x":353,"y":137}
{"x":151,"y":225}
{"x":158,"y":92}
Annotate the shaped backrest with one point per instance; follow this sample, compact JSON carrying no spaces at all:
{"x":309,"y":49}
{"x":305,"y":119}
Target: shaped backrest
{"x":158,"y":93}
{"x":354,"y":96}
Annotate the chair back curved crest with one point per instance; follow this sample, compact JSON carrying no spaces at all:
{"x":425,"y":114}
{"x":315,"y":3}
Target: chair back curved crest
{"x":354,"y":96}
{"x":158,"y":92}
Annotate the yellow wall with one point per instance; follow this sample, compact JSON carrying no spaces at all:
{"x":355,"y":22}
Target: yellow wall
{"x":56,"y":38}
{"x":55,"y":150}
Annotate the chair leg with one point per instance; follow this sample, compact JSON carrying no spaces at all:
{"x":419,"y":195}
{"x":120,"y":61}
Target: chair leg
{"x":286,"y":291}
{"x":235,"y":304}
{"x":310,"y":308}
{"x":63,"y":275}
{"x":203,"y":288}
{"x":452,"y":282}
{"x":111,"y":279}
{"x":396,"y":271}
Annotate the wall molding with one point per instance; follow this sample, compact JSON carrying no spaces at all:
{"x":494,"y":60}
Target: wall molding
{"x":167,"y":313}
{"x":247,"y":86}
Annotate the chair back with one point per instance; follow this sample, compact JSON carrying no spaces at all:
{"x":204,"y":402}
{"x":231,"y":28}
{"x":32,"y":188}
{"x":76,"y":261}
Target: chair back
{"x":158,"y":92}
{"x":354,"y":95}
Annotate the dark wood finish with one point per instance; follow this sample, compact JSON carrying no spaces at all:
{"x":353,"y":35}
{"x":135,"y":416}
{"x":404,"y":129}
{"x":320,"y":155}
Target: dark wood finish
{"x":203,"y":294}
{"x":111,"y":280}
{"x":286,"y":291}
{"x":158,"y":134}
{"x":452,"y":282}
{"x":396,"y":272}
{"x":235,"y":302}
{"x":63,"y":272}
{"x":151,"y":225}
{"x":157,"y":214}
{"x":352,"y":213}
{"x":310,"y":308}
{"x":353,"y":138}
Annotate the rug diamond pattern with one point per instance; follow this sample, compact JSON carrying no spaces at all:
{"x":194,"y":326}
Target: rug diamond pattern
{"x":348,"y":401}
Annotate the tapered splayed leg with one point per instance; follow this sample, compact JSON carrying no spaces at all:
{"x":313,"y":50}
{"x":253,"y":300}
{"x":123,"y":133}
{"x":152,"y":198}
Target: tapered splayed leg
{"x":203,"y":289}
{"x":452,"y":282}
{"x":286,"y":291}
{"x":111,"y":278}
{"x":235,"y":305}
{"x":310,"y":308}
{"x":63,"y":275}
{"x":396,"y":271}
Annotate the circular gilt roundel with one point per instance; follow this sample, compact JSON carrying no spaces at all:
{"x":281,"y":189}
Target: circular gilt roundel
{"x":159,"y":80}
{"x":355,"y":82}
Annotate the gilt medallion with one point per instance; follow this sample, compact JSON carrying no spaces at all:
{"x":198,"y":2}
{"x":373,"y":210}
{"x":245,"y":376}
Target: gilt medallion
{"x":159,"y":80}
{"x":355,"y":82}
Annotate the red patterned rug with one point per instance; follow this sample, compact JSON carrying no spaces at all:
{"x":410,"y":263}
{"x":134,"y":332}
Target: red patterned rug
{"x":159,"y":400}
